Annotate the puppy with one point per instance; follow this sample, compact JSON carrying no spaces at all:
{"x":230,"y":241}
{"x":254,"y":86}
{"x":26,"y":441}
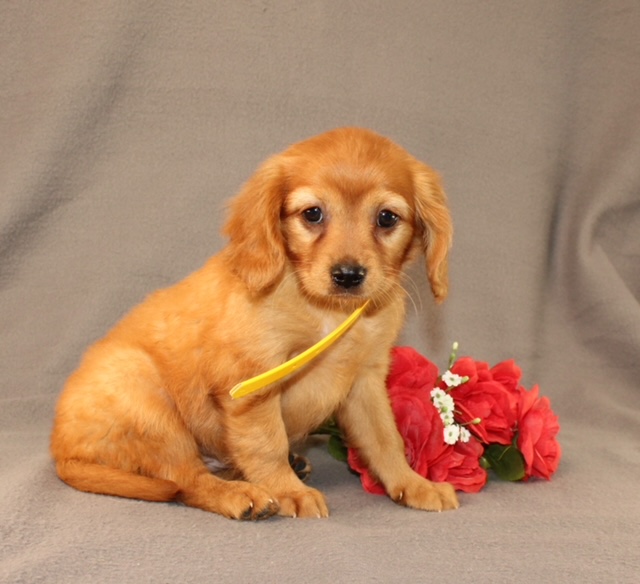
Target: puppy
{"x":318,"y":229}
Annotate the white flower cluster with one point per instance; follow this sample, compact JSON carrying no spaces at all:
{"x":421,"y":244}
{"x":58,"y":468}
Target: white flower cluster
{"x":445,"y":405}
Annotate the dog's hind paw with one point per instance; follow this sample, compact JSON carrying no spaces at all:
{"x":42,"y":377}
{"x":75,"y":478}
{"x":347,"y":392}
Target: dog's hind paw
{"x":300,"y":465}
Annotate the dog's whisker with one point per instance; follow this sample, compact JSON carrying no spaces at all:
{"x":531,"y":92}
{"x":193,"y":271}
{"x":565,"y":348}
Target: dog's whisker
{"x":418,"y":307}
{"x":402,"y":290}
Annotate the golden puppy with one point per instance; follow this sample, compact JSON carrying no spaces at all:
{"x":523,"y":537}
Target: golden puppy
{"x":317,"y":230}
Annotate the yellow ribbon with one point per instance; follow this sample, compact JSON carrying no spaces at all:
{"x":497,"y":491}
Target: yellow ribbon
{"x":292,"y":365}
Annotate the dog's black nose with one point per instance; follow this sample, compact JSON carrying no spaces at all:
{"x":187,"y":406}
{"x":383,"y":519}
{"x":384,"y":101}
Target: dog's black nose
{"x":348,"y":275}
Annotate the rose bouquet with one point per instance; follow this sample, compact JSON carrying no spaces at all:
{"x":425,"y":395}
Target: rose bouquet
{"x":459,"y":424}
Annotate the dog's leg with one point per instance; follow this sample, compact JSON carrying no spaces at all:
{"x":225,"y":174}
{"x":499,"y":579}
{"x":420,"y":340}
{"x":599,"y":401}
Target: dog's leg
{"x":233,"y":499}
{"x":367,"y":419}
{"x":261,"y":452}
{"x":116,"y":432}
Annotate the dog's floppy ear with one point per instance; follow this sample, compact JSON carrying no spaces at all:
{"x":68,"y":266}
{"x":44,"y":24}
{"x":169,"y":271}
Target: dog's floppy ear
{"x":256,"y":251}
{"x":435,"y":222}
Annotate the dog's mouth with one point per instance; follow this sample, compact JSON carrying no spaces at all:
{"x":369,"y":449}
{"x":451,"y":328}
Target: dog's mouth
{"x":345,"y":300}
{"x":344,"y":285}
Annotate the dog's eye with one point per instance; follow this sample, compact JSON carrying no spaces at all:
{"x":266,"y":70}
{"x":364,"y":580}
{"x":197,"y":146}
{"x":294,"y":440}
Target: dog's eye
{"x":387,"y":219}
{"x":313,"y":215}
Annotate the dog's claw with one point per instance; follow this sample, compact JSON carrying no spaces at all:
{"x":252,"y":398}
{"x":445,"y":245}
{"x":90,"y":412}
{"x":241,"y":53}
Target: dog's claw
{"x":251,"y":514}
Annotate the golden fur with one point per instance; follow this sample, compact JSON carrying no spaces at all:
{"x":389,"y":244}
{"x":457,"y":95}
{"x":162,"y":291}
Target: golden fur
{"x":150,"y":401}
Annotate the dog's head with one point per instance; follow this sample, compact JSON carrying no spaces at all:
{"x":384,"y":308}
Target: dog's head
{"x":347,"y":210}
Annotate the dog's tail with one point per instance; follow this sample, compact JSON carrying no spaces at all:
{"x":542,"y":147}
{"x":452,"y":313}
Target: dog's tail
{"x":95,"y":478}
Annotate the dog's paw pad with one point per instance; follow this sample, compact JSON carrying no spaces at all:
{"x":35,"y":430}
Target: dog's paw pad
{"x":300,"y":465}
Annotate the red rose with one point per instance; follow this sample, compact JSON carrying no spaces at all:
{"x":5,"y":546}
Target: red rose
{"x":410,"y":381}
{"x":507,"y":373}
{"x":537,"y":430}
{"x":410,"y":369}
{"x":491,"y":395}
{"x":460,"y":465}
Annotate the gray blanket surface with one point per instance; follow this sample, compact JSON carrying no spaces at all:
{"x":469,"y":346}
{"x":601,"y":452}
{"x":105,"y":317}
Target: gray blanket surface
{"x":125,"y":126}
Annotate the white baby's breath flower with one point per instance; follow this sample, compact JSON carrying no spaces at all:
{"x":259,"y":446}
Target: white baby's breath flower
{"x":437,"y":394}
{"x":447,"y":418}
{"x":451,"y":379}
{"x":446,"y":404}
{"x":451,"y":433}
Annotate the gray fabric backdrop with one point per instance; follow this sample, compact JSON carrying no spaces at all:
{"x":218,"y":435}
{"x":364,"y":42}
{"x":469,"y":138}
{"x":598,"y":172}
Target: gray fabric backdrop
{"x":124,"y":128}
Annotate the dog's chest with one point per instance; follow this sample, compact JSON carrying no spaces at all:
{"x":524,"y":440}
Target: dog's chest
{"x":314,"y":393}
{"x":327,"y":325}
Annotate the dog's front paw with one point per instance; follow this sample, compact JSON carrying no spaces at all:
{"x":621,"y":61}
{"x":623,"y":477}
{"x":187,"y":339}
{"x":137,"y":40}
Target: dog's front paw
{"x":306,"y":502}
{"x":420,"y":493}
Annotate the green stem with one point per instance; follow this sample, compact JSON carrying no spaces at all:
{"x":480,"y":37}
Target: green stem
{"x":454,"y":354}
